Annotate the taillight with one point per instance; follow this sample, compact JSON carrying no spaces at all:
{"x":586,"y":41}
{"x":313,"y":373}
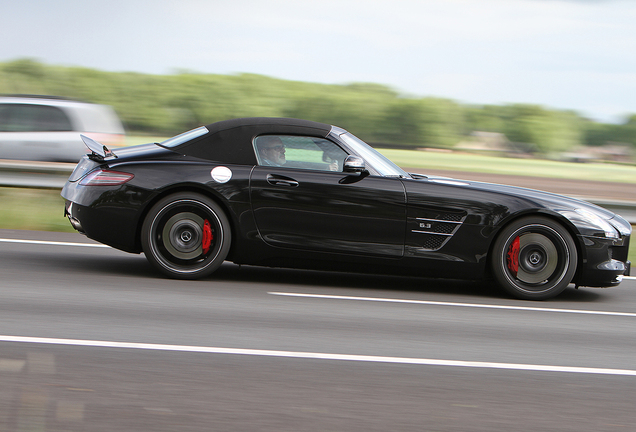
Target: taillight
{"x":106,"y":178}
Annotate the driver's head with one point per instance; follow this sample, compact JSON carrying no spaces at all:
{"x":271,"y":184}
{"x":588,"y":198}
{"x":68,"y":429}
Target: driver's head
{"x":272,"y":149}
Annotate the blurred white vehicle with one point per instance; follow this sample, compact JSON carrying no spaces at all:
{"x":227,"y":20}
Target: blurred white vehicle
{"x":46,"y":128}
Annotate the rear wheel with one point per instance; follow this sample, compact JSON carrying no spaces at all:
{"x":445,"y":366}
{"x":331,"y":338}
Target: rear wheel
{"x":186,"y":236}
{"x":534,"y":258}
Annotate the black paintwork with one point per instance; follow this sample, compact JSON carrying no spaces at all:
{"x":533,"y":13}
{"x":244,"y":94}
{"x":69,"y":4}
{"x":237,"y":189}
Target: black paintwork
{"x":329,"y":220}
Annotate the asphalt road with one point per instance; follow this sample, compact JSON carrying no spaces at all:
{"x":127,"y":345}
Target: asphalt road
{"x":91,"y":339}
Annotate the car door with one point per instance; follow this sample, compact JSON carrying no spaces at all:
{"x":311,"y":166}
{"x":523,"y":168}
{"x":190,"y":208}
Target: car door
{"x":310,"y":204}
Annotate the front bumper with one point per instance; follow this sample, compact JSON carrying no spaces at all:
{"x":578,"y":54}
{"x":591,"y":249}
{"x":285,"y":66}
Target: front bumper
{"x":605,"y":262}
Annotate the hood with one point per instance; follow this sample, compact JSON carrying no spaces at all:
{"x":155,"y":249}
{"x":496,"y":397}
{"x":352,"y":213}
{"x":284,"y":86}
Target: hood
{"x":548,"y":199}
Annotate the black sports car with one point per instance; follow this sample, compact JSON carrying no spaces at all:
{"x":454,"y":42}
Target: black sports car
{"x":294,"y":193}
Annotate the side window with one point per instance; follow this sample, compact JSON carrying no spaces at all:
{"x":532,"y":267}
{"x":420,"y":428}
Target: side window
{"x":49,"y":119}
{"x":299,"y":152}
{"x":33,"y":118}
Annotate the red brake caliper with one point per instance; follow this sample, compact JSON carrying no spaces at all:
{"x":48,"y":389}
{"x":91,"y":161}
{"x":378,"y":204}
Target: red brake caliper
{"x":207,"y":236}
{"x":513,"y":256}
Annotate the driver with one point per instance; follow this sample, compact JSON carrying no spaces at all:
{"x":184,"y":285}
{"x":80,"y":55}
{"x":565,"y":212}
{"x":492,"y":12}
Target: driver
{"x":271,"y":150}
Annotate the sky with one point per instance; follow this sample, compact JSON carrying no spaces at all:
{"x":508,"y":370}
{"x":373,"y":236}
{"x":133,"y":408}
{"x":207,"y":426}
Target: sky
{"x":563,"y":54}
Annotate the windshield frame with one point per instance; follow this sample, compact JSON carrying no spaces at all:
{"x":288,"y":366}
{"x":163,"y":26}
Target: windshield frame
{"x":380,"y":163}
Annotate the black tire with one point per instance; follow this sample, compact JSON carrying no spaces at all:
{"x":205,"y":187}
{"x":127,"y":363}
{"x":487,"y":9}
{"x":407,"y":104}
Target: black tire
{"x":176,"y":240}
{"x":546,"y":258}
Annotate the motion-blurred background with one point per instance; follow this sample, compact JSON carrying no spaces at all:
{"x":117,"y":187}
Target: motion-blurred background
{"x":532,"y":79}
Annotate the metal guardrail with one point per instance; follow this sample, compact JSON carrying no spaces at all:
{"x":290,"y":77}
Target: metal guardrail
{"x":53,"y":175}
{"x":37,"y":175}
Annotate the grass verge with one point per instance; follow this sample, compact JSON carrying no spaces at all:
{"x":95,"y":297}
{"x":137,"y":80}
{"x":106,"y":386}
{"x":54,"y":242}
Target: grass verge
{"x":32,"y":209}
{"x":512,"y":166}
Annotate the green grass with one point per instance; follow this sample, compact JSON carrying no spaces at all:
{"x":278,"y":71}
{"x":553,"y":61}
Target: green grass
{"x":513,"y":166}
{"x":32,"y":209}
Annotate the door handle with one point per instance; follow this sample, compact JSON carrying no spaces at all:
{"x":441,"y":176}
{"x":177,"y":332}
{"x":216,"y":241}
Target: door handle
{"x":281,"y":181}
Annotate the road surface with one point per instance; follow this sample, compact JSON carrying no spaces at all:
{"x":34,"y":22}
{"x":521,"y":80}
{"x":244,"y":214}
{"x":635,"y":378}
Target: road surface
{"x":92,"y":339}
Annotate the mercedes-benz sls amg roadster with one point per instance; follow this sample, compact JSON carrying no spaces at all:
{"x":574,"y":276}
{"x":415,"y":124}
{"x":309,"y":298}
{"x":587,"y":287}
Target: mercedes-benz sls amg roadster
{"x":294,"y":193}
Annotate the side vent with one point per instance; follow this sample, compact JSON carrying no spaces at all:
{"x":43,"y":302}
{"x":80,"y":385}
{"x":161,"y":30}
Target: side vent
{"x":436,"y":230}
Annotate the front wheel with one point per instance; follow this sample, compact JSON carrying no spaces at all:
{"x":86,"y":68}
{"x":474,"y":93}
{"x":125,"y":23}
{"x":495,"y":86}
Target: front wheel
{"x":186,"y":236}
{"x":534,"y":258}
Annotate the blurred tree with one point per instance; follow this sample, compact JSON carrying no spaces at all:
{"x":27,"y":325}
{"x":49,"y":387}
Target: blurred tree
{"x":24,"y":76}
{"x":28,"y":68}
{"x":598,"y":134}
{"x":546,"y":130}
{"x":170,"y":104}
{"x":429,"y":122}
{"x":627,"y":131}
{"x":488,"y":118}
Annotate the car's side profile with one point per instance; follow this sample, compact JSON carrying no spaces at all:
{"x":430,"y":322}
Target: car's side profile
{"x":295,"y":193}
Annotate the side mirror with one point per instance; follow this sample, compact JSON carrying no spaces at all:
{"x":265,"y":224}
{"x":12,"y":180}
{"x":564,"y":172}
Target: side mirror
{"x":354,"y":165}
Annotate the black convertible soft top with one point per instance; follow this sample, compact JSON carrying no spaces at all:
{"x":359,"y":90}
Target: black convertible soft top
{"x":230,"y":141}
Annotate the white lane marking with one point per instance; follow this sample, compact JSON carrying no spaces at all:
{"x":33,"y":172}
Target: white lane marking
{"x":54,"y":243}
{"x":320,"y":356}
{"x":438,"y":303}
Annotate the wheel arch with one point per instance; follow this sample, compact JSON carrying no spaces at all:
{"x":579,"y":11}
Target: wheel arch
{"x":556,"y":217}
{"x":187,"y":187}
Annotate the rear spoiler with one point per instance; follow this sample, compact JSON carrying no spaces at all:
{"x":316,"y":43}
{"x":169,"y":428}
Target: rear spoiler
{"x":99,"y":151}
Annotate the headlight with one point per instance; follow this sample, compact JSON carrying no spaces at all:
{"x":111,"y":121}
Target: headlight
{"x":621,"y":225}
{"x":595,"y":221}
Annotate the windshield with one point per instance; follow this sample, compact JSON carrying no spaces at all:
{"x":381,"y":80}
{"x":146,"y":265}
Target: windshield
{"x":384,"y":166}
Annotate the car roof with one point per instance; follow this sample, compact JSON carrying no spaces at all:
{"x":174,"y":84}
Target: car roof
{"x":230,"y":141}
{"x":41,"y":100}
